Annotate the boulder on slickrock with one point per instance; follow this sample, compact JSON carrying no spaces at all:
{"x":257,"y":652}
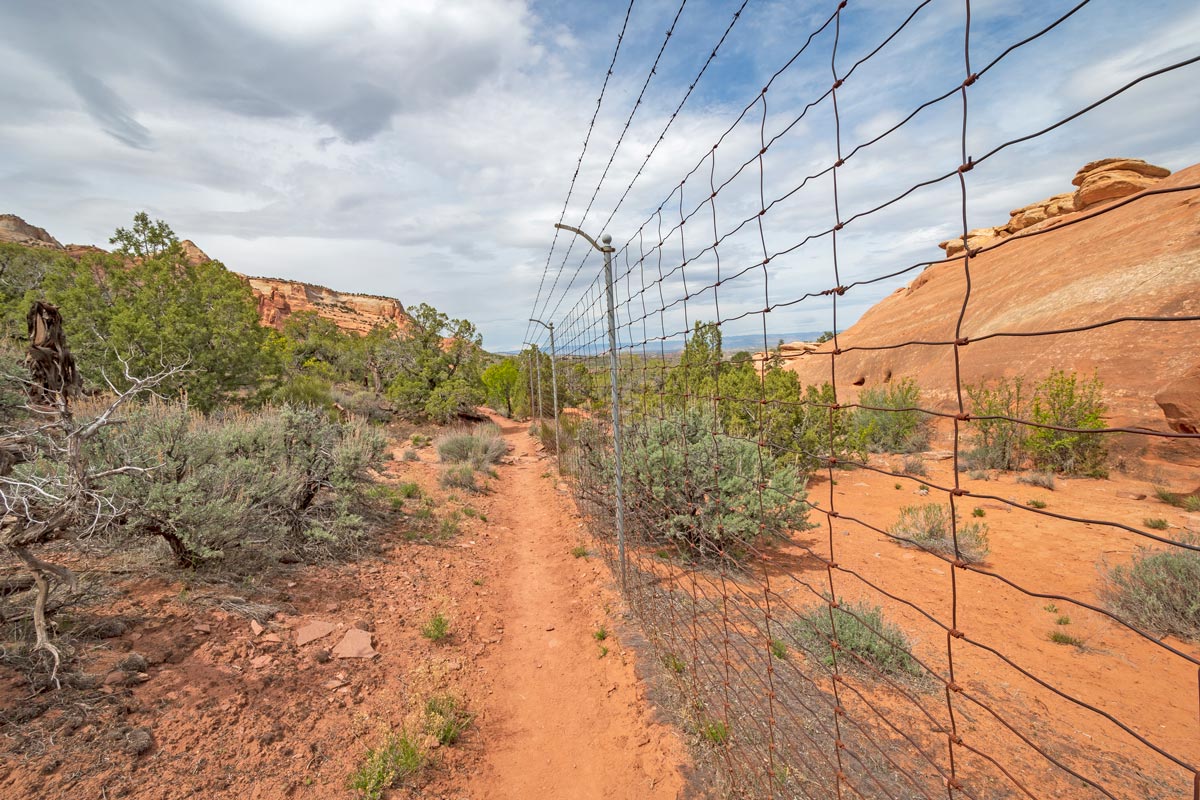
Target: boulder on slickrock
{"x":1113,"y":178}
{"x":1180,"y":401}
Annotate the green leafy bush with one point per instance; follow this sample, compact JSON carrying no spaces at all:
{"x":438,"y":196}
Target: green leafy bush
{"x":1065,"y":400}
{"x":1158,"y":590}
{"x":695,"y":488}
{"x":860,"y":629}
{"x":928,"y":526}
{"x":997,"y":443}
{"x":459,"y":476}
{"x":900,"y":429}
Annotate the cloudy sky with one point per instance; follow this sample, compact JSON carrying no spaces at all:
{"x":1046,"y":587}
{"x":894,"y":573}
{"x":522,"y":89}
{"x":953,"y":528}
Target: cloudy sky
{"x":423,"y":149}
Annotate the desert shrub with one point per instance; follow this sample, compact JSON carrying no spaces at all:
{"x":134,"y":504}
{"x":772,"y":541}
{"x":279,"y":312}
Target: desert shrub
{"x":445,"y":718}
{"x":397,"y":758}
{"x":900,"y":428}
{"x":996,"y":443}
{"x":1157,"y":524}
{"x":437,"y":628}
{"x":479,"y":447}
{"x":308,"y":391}
{"x":289,"y":477}
{"x":698,"y":490}
{"x":928,"y":526}
{"x":860,"y":629}
{"x":1158,"y":590}
{"x":459,"y":476}
{"x":410,"y":455}
{"x":1188,"y":502}
{"x":363,"y":403}
{"x":1065,"y":400}
{"x":915,"y":465}
{"x":1043,"y":480}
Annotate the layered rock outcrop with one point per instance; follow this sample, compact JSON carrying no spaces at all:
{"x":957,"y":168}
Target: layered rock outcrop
{"x":357,"y":313}
{"x":1098,"y":182}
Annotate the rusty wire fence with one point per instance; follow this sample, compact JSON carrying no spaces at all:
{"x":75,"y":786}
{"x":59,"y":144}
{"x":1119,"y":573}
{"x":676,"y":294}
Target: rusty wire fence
{"x":840,"y":622}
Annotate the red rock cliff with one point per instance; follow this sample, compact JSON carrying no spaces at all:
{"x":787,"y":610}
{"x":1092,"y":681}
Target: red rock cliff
{"x":359,"y":313}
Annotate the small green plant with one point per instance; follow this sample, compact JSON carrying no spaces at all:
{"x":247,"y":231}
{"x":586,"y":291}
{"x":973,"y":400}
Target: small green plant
{"x":470,"y":512}
{"x":579,"y":551}
{"x":779,"y":649}
{"x":1188,"y":502}
{"x":420,"y":440}
{"x":1063,"y":620}
{"x":1158,"y":590}
{"x":445,"y":718}
{"x":437,"y":628}
{"x":714,"y":731}
{"x":409,"y":490}
{"x":448,"y":527}
{"x":410,"y":455}
{"x":600,"y":634}
{"x":603,"y":651}
{"x":861,"y":629}
{"x":477,"y":582}
{"x":978,"y":512}
{"x":1035,"y":503}
{"x":1050,"y":607}
{"x":928,"y":526}
{"x":672,"y":662}
{"x":423,"y":513}
{"x":915,"y":465}
{"x":1157,"y":524}
{"x":899,"y":486}
{"x":398,"y":758}
{"x":1043,"y":480}
{"x":1062,"y":637}
{"x":459,"y":476}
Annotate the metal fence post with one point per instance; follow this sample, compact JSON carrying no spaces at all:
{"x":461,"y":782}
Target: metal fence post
{"x":530,"y":368}
{"x":541,"y":412}
{"x":554,"y":386}
{"x":616,"y":399}
{"x":607,"y":249}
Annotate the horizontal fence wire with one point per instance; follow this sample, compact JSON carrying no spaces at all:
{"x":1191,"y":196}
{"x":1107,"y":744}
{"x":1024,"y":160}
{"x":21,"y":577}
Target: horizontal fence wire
{"x":840,"y":619}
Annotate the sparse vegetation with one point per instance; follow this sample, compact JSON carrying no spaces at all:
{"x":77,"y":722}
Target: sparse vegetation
{"x":579,"y":551}
{"x":411,"y":455}
{"x":445,"y":718}
{"x":1035,"y":503}
{"x":1062,"y":637}
{"x":1158,"y":523}
{"x":600,"y":634}
{"x":978,"y":512}
{"x":1042,"y":480}
{"x":1188,"y":502}
{"x":915,"y":465}
{"x":714,"y":731}
{"x":480,"y":447}
{"x":779,"y":649}
{"x":672,"y":663}
{"x":394,"y":761}
{"x":928,"y":526}
{"x":860,"y":629}
{"x":409,"y":491}
{"x":459,"y":476}
{"x":1158,"y":590}
{"x":1063,"y":620}
{"x":437,"y":629}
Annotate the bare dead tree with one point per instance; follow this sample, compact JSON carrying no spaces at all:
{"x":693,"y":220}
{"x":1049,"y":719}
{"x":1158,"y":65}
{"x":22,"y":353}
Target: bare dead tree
{"x":47,"y":488}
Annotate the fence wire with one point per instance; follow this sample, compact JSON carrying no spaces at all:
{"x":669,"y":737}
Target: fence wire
{"x":824,"y":644}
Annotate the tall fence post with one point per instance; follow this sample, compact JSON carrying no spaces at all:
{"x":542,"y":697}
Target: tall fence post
{"x":554,"y":386}
{"x":531,"y":382}
{"x":607,"y":249}
{"x":616,"y":399}
{"x":541,"y":411}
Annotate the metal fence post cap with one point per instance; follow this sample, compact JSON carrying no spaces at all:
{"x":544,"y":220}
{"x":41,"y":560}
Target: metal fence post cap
{"x":606,"y":238}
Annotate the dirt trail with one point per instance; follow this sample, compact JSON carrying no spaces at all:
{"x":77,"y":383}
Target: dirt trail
{"x":562,"y":720}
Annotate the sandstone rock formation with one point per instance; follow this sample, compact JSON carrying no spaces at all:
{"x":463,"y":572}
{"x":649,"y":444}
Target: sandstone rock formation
{"x":1098,"y":181}
{"x":1141,"y":259}
{"x":18,"y":231}
{"x":358,"y":313}
{"x":1180,"y":401}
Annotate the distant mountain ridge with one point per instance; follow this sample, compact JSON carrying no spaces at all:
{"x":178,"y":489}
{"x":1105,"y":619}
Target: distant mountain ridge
{"x":277,"y":298}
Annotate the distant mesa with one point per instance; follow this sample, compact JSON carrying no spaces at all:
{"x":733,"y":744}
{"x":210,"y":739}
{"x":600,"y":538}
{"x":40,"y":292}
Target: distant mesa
{"x":1098,"y":182}
{"x":277,"y":299}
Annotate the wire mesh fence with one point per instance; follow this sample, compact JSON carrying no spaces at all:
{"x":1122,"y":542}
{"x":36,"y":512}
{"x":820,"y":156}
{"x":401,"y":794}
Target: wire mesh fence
{"x":853,"y":574}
